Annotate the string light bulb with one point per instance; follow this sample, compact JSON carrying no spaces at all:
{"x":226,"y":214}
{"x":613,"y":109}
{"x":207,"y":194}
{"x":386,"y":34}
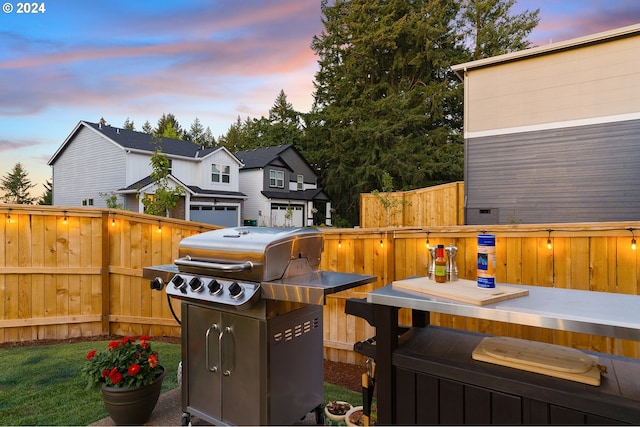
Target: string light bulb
{"x":113,"y":222}
{"x":549,"y":239}
{"x":633,"y":238}
{"x":9,"y":216}
{"x":159,"y":227}
{"x":427,"y":243}
{"x":64,"y":220}
{"x":381,"y":243}
{"x":340,"y":241}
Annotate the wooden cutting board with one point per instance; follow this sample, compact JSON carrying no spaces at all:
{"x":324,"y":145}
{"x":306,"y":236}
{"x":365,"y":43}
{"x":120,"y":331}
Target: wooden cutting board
{"x":460,"y":290}
{"x":542,"y":358}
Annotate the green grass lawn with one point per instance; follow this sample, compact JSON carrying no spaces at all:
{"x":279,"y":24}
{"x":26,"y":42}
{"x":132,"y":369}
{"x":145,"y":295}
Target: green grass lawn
{"x":41,"y":385}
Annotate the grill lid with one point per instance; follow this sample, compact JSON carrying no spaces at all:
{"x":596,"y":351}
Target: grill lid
{"x":249,"y":253}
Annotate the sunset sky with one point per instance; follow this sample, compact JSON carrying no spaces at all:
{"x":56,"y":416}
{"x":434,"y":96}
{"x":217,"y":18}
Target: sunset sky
{"x":211,"y":59}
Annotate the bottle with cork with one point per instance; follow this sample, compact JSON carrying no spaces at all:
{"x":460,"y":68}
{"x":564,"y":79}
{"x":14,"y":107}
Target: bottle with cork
{"x":441,"y":266}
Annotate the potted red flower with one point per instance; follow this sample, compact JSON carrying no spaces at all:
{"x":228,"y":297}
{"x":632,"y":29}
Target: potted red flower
{"x":127,"y":372}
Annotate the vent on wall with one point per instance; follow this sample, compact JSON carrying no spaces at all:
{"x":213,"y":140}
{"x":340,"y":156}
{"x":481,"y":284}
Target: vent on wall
{"x":480,"y":216}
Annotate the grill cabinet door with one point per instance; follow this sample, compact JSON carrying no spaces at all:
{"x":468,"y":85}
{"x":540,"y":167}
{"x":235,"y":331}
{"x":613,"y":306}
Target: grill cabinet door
{"x":201,"y":368}
{"x":225,"y":376}
{"x":243,"y":373}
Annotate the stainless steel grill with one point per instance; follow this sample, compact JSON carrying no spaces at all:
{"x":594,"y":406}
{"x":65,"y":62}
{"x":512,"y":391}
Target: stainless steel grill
{"x":251,"y":314}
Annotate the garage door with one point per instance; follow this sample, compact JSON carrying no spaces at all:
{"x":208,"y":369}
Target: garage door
{"x":279,"y":216}
{"x":225,"y":216}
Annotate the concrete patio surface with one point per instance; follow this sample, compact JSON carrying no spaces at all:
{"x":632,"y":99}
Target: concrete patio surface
{"x":168,"y":412}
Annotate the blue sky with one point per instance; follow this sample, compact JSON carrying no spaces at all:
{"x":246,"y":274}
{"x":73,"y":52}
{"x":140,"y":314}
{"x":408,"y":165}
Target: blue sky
{"x":211,"y":59}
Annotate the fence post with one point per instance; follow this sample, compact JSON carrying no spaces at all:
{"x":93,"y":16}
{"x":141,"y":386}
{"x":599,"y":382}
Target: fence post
{"x":104,"y":273}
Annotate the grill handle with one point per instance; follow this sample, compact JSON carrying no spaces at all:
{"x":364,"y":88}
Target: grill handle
{"x":188,"y":262}
{"x":216,"y":328}
{"x":232,"y":340}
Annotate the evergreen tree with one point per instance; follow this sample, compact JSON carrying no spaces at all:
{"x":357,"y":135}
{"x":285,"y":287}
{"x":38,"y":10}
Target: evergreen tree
{"x":168,"y":125}
{"x":491,"y":29}
{"x":47,"y":196}
{"x":196,"y":132}
{"x":385,"y":98}
{"x":283,"y":126}
{"x":236,"y":138}
{"x":146,"y":128}
{"x":208,"y":140}
{"x":128,"y":124}
{"x":16,"y":186}
{"x":284,"y":123}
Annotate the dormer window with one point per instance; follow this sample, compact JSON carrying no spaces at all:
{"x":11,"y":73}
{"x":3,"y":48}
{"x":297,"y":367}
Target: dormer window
{"x":300,"y":183}
{"x":220,"y":173}
{"x":276,"y":179}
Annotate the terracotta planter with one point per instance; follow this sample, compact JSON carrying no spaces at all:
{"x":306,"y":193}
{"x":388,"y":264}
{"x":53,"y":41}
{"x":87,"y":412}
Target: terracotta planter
{"x":132,"y":406}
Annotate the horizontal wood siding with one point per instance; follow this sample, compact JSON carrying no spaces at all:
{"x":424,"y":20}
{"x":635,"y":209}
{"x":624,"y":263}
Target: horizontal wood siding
{"x":84,"y":277}
{"x":580,"y":174}
{"x":582,"y":83}
{"x":89,"y":155}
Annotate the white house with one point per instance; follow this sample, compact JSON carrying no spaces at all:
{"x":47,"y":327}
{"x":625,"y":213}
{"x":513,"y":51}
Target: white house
{"x":281,"y":188}
{"x":97,"y":160}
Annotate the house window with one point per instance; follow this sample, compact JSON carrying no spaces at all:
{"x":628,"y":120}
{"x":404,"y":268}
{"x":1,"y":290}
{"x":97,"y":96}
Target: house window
{"x":300,"y":183}
{"x":87,"y":202}
{"x":220,"y":173}
{"x":170,"y":166}
{"x":276,"y":179}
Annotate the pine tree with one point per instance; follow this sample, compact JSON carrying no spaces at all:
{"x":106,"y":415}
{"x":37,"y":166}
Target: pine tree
{"x":47,"y":197}
{"x":16,"y":186}
{"x":385,"y":98}
{"x":128,"y":124}
{"x":146,"y":128}
{"x":196,"y":132}
{"x":491,"y":28}
{"x":168,"y":126}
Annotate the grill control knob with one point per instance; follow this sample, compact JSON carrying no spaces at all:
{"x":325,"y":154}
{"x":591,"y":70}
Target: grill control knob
{"x":196,"y":284}
{"x":215,"y":287}
{"x":178,"y":282}
{"x":235,"y":290}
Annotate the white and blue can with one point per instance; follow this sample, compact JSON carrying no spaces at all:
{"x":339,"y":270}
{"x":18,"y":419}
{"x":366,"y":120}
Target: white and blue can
{"x":486,"y":261}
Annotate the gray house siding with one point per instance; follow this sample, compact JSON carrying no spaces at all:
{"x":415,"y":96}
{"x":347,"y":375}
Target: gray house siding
{"x":87,"y":156}
{"x":579,"y":174}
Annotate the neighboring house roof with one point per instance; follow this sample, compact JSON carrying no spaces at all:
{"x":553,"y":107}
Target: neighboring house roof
{"x":262,"y":157}
{"x":605,"y":36}
{"x":194,"y":190}
{"x":197,"y":191}
{"x":142,"y":142}
{"x":312,"y":194}
{"x":145,"y":182}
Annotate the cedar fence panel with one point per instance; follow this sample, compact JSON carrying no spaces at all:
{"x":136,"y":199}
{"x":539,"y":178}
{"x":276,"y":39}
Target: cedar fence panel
{"x":437,"y":205}
{"x":73,"y":272}
{"x":70,"y":272}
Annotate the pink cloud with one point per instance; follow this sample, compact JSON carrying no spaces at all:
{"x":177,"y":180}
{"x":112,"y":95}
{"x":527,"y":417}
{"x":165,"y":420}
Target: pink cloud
{"x":585,"y":19}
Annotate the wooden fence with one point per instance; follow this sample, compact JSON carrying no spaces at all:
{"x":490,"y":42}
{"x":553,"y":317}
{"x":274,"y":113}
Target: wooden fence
{"x":593,"y":257}
{"x":437,"y":205}
{"x":78,"y":272}
{"x":71,"y":272}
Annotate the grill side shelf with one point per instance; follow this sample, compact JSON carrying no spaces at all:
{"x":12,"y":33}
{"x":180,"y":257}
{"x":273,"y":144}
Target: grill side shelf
{"x":312,"y":288}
